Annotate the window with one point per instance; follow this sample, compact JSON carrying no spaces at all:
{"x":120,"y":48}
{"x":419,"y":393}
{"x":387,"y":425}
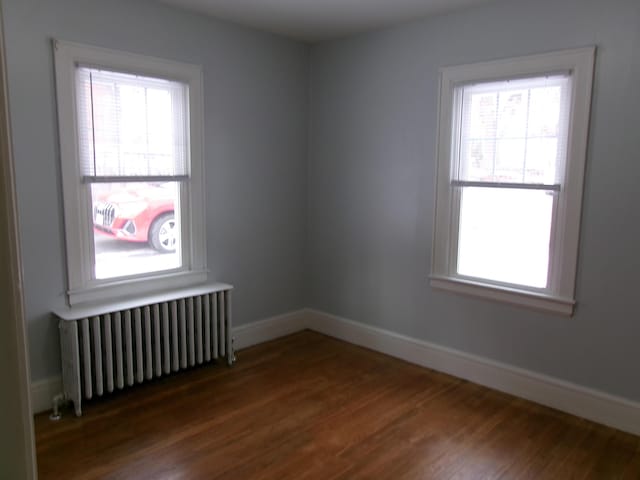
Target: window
{"x":131,"y":155}
{"x":511,"y":154}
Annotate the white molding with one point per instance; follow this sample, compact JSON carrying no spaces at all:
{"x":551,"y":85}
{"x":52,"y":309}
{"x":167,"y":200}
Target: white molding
{"x":143,"y":284}
{"x":42,"y":393}
{"x":513,"y":296}
{"x":269,"y":329}
{"x":568,"y":397}
{"x":100,"y":308}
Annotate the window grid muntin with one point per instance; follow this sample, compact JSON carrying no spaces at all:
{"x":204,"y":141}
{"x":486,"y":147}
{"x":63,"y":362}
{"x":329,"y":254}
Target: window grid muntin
{"x":461,"y":114}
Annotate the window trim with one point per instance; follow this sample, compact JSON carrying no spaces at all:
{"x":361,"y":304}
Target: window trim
{"x":559,"y":297}
{"x":82,"y":286}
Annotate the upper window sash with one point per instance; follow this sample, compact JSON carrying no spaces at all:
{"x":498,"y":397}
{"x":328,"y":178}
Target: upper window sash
{"x":511,"y":131}
{"x":131,"y":126}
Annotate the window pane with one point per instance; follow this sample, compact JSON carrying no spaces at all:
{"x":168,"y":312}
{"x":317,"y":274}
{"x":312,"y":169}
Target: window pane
{"x":509,"y":163}
{"x":513,"y":131}
{"x":136,"y":229}
{"x":541,"y":160}
{"x":130,"y":125}
{"x":504,"y":235}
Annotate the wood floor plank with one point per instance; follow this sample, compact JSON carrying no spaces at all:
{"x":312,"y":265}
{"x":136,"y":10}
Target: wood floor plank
{"x":311,"y":407}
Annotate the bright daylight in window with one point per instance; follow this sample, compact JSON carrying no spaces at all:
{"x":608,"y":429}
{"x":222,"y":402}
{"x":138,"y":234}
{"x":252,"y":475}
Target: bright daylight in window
{"x":510,"y":172}
{"x":132,"y":172}
{"x":132,"y":126}
{"x":511,"y":154}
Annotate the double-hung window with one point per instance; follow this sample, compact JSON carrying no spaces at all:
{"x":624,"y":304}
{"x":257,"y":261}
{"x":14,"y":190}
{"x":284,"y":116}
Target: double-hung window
{"x":511,"y":154}
{"x":131,"y":155}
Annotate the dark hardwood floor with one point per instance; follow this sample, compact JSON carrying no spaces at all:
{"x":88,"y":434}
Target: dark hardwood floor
{"x":312,"y":407}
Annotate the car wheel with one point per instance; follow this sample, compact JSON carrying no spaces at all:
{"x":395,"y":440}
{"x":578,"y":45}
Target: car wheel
{"x":163,"y":233}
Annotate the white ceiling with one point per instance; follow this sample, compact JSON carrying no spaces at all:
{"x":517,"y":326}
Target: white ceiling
{"x":314,"y":20}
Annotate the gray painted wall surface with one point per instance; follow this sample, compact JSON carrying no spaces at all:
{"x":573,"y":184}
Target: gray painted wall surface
{"x":343,"y":222}
{"x":256,"y":96}
{"x":371,"y":188}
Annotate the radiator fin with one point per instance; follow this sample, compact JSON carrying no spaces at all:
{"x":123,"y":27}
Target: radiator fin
{"x":192,"y":340}
{"x":214,"y":313}
{"x":207,"y":329}
{"x":128,"y":346}
{"x":137,"y":318}
{"x":165,"y":337}
{"x":108,"y":352}
{"x":86,"y":354}
{"x":183,"y":333}
{"x":198,"y":318}
{"x":117,"y":329}
{"x":147,"y":344}
{"x":97,"y":353}
{"x":175,"y":365}
{"x":222,"y":325}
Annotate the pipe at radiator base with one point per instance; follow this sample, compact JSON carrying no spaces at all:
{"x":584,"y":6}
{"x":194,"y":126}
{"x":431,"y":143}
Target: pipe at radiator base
{"x":57,"y":400}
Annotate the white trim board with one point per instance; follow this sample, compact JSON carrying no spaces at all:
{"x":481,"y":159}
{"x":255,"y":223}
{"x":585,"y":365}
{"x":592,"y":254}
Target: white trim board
{"x":565,"y":396}
{"x":269,"y":329}
{"x":577,"y":400}
{"x":42,"y":393}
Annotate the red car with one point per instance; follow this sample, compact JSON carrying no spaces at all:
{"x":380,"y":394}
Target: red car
{"x":144,"y":214}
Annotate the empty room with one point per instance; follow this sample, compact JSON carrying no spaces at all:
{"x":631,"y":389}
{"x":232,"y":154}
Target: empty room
{"x":332,"y":239}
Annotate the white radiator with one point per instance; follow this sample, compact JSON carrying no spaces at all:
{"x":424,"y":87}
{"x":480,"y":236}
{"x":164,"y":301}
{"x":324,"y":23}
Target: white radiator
{"x":111,"y":347}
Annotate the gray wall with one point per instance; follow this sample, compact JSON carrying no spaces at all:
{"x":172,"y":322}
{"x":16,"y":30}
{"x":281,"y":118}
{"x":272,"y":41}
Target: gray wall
{"x":330,"y":205}
{"x":371,"y":188}
{"x":256,"y":96}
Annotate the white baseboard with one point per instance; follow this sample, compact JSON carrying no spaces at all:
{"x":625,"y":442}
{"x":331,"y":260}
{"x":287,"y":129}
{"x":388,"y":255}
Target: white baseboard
{"x":591,"y":404}
{"x":565,"y":396}
{"x":269,"y":329}
{"x":42,"y":393}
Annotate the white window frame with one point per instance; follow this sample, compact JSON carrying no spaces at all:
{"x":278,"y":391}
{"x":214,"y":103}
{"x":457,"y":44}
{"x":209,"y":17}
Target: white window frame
{"x":559,"y":296}
{"x":82,"y":285}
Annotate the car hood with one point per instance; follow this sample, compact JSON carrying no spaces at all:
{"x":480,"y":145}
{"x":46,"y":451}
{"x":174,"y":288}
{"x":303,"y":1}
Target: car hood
{"x":141,"y":194}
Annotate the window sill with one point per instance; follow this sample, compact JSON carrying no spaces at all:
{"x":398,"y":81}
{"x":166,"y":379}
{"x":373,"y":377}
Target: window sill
{"x":100,"y":308}
{"x":135,"y":287}
{"x":513,"y":296}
